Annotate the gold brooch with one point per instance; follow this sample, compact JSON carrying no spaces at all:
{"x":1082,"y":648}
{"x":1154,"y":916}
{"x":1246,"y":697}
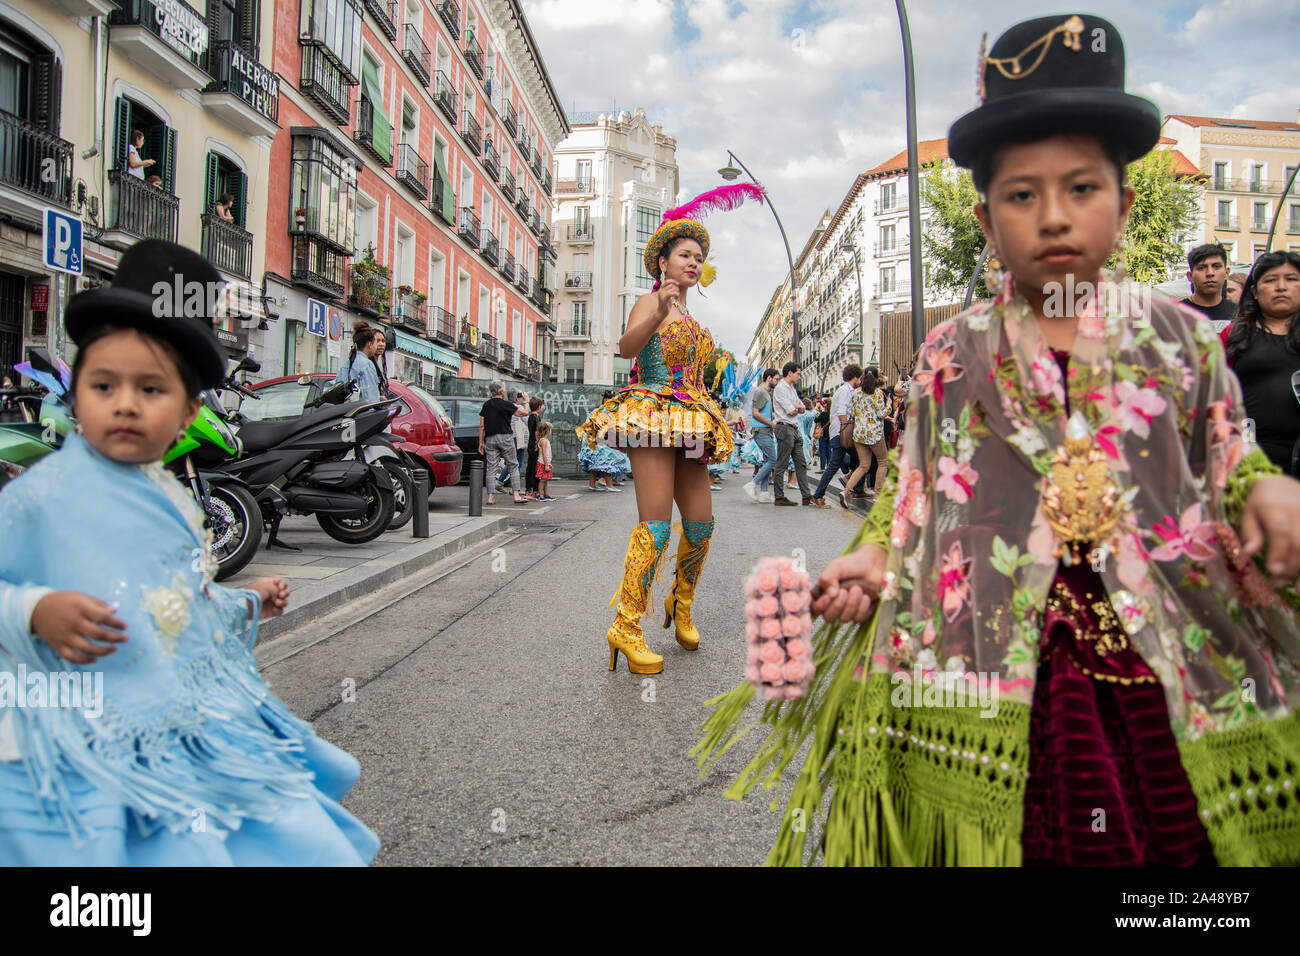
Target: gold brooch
{"x":1080,"y":501}
{"x":1010,"y":66}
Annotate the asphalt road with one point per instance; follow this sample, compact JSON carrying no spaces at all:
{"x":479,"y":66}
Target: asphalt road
{"x":490,"y":730}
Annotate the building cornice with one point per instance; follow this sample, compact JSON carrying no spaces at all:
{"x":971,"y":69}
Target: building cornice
{"x":521,"y":47}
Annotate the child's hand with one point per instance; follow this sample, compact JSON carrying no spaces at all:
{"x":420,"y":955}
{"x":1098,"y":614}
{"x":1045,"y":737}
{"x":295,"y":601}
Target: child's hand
{"x":72,"y":623}
{"x":840,"y":595}
{"x":1272,"y":517}
{"x":275,"y":595}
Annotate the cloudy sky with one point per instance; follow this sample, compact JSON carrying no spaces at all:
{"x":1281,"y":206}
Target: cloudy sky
{"x":810,"y":92}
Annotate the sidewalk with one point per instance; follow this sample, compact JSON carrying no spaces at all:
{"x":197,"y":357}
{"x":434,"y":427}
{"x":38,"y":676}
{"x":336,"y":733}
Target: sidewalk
{"x":327,"y":574}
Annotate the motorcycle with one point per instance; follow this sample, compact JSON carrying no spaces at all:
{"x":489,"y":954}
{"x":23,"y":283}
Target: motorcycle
{"x":33,"y":419}
{"x":298,"y":466}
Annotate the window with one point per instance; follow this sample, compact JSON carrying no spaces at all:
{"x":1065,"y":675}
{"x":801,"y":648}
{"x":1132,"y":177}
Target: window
{"x":581,"y":221}
{"x":404,"y":257}
{"x":1220,"y":175}
{"x":1293,"y":218}
{"x":638,"y":174}
{"x":1257,"y":250}
{"x":336,"y":24}
{"x":584,"y":174}
{"x":1259,"y":215}
{"x":1225,"y":213}
{"x":573,"y":368}
{"x":235,"y":22}
{"x":888,"y":195}
{"x":886,"y":238}
{"x":225,"y":178}
{"x":323,"y":191}
{"x":410,"y":124}
{"x":580,"y":318}
{"x":1256,"y":177}
{"x":886,"y":281}
{"x":159,"y":141}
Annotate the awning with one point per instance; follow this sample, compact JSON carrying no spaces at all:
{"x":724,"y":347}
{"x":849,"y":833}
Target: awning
{"x":427,"y":350}
{"x":381,"y":131}
{"x":239,"y":301}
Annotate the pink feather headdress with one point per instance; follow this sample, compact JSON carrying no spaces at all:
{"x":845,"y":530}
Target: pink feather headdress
{"x":722,"y":199}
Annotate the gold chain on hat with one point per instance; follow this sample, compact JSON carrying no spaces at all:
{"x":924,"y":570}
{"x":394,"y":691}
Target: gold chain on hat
{"x":1071,"y":30}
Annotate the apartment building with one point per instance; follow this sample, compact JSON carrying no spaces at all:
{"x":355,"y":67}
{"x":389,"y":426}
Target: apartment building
{"x":1246,"y":164}
{"x":77,"y":77}
{"x":410,"y":186}
{"x":615,"y":175}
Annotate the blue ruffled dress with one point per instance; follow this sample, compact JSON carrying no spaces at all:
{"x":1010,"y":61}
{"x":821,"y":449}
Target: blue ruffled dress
{"x":182,"y":755}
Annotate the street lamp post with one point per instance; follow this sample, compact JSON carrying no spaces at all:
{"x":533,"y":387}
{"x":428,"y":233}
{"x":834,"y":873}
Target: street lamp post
{"x":730,"y":173}
{"x":913,"y":184}
{"x":862,"y":321}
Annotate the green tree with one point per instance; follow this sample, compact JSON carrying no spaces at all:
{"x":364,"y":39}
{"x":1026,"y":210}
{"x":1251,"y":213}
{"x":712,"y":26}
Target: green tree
{"x":953,"y":242}
{"x":1165,"y":208}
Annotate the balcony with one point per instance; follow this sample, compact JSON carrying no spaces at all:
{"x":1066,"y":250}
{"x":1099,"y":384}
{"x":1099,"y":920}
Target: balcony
{"x":82,"y":8}
{"x":141,"y":211}
{"x":1227,"y":224}
{"x":449,"y":12}
{"x":166,"y":40}
{"x":28,"y":155}
{"x":489,"y":348}
{"x":890,"y":207}
{"x":489,"y":247}
{"x":533,"y":370}
{"x":467,"y":340}
{"x":318,"y":267}
{"x":578,"y":329}
{"x":442,"y":200}
{"x":416,"y":54}
{"x":546,"y":250}
{"x":521,"y":201}
{"x":573,"y":185}
{"x":365,"y":133}
{"x":442,"y":326}
{"x":1259,"y":225}
{"x":508,"y":357}
{"x":470,"y":228}
{"x":410,"y":169}
{"x":507,"y":265}
{"x":536,"y":165}
{"x":491,"y":160}
{"x":411,"y":309}
{"x":445,"y":96}
{"x":470,"y":131}
{"x":325,"y":80}
{"x":884,"y":250}
{"x":507,"y":183}
{"x":534,"y":221}
{"x":1248,"y":185}
{"x":577,"y":282}
{"x":523,"y":281}
{"x":895,"y":290}
{"x":511,"y":120}
{"x":243,"y":94}
{"x":386,"y":15}
{"x":546,"y":182}
{"x":227,"y":246}
{"x":371,"y":295}
{"x":580,"y":233}
{"x":474,"y":56}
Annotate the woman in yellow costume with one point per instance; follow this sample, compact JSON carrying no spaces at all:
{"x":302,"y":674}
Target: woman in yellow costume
{"x":669,"y":427}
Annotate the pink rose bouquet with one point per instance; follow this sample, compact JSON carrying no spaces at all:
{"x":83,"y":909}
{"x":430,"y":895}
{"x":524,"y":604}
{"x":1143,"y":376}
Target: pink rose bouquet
{"x":777,"y":629}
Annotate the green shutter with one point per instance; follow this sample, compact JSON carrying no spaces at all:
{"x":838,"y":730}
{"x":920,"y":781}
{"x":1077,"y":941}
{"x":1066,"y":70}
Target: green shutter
{"x":167,"y":159}
{"x":382,"y":130}
{"x":239,"y":189}
{"x":121,"y":131}
{"x":212,"y":184}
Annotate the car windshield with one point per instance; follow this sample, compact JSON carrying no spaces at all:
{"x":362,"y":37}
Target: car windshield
{"x":282,"y":400}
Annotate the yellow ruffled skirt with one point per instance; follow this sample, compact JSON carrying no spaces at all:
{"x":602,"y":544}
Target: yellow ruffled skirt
{"x":641,"y":417}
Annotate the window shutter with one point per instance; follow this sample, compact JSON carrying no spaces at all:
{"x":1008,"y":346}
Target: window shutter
{"x":46,"y":89}
{"x":212,"y":184}
{"x":249,"y":26}
{"x":121,"y":131}
{"x":239,"y":189}
{"x":167,"y":159}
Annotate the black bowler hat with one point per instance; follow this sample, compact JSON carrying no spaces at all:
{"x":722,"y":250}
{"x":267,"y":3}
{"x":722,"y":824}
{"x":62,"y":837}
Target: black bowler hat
{"x":132,"y":301}
{"x":1052,"y":75}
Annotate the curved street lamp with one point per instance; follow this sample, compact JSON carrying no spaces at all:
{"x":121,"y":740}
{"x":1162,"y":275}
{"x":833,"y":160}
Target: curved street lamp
{"x":731,"y":173}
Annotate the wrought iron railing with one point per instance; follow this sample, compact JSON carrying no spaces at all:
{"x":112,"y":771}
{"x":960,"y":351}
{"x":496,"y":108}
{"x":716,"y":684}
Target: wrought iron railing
{"x":491,"y":160}
{"x":386,"y":15}
{"x":409,"y":168}
{"x":318,"y":266}
{"x":577,"y":282}
{"x":507,"y":265}
{"x":142,"y":210}
{"x":365,"y":132}
{"x":444,"y":94}
{"x":489,"y":348}
{"x":35,"y":160}
{"x":237,"y":72}
{"x":416,"y":54}
{"x":508,"y":183}
{"x":412,"y":309}
{"x":474,"y":55}
{"x":442,"y":325}
{"x":470,"y":130}
{"x":488,"y":246}
{"x":511,"y":119}
{"x":508,"y":356}
{"x":160,"y":19}
{"x":441,"y":201}
{"x":324,"y":80}
{"x":470,"y":228}
{"x":449,"y":11}
{"x":227,"y":246}
{"x":580,"y":232}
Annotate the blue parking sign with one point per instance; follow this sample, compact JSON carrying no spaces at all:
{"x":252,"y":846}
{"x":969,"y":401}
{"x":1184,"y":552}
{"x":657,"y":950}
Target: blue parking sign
{"x":317,"y":323}
{"x":62,"y":242}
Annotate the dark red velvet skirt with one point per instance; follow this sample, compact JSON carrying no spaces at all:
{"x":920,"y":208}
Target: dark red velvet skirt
{"x":1106,"y":786}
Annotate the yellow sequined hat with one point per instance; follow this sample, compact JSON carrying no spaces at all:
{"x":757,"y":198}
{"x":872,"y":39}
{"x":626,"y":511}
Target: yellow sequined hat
{"x":666,"y":233}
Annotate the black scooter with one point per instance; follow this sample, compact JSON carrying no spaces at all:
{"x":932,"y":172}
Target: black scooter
{"x":291,"y":466}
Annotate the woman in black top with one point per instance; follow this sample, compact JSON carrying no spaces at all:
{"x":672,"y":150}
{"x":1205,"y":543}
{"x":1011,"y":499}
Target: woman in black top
{"x":1263,"y":345}
{"x":536,"y":407}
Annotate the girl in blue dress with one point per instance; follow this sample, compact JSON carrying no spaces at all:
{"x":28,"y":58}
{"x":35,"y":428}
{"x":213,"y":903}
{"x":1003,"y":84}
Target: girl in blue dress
{"x":134,"y":728}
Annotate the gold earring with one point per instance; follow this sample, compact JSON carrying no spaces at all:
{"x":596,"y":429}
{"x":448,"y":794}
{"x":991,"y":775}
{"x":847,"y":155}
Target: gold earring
{"x":78,"y":429}
{"x":994,"y":273}
{"x":180,"y":435}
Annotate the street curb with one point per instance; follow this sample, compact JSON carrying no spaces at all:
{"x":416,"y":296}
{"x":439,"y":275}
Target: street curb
{"x":360,"y":582}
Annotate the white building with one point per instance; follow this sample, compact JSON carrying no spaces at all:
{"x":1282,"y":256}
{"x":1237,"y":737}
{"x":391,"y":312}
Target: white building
{"x":615,"y":176}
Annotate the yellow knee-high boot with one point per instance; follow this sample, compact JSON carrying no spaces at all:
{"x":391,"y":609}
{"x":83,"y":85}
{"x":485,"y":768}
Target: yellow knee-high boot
{"x":692,"y":549}
{"x":645,"y":552}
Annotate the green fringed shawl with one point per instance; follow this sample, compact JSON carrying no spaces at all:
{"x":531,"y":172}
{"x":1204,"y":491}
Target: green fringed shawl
{"x":930,"y":786}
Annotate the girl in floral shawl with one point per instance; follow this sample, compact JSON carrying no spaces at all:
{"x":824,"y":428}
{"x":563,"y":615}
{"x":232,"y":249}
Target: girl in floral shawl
{"x":1066,"y":633}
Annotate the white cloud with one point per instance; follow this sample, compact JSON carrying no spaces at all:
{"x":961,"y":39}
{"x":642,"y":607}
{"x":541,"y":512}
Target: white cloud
{"x":808,"y":111}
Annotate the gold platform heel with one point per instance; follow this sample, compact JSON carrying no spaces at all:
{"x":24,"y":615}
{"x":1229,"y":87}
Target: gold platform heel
{"x":692,"y":549}
{"x":645,"y":553}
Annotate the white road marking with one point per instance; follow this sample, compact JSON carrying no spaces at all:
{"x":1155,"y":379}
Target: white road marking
{"x":575,"y":495}
{"x":541,"y":510}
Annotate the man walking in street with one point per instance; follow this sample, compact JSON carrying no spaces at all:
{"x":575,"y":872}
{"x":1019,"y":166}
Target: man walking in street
{"x":787,"y":406}
{"x":760,"y":418}
{"x":496,"y":440}
{"x":841,"y":417}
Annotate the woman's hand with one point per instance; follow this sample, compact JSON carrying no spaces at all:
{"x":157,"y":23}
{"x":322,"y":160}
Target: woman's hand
{"x":275,"y":595}
{"x":1272,"y":517}
{"x":72,"y":623}
{"x":840,"y":595}
{"x":668,"y":291}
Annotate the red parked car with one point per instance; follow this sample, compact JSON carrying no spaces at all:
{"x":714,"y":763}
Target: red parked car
{"x":422,"y":423}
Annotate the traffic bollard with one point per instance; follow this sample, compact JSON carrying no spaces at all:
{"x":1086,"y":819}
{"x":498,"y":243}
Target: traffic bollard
{"x":420,"y":512}
{"x":476,"y":474}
